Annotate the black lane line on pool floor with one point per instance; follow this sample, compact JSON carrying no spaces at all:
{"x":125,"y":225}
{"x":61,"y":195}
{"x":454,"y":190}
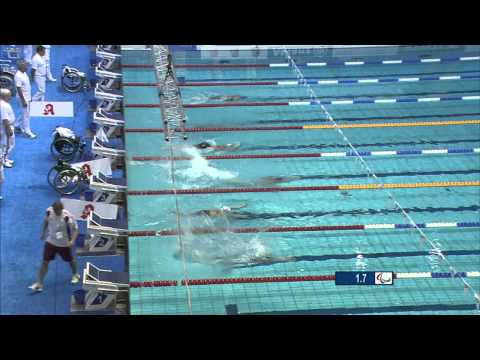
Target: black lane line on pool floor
{"x":295,"y":215}
{"x":386,"y":175}
{"x":365,"y":118}
{"x":341,"y":96}
{"x":326,"y":146}
{"x":396,"y":254}
{"x":370,"y":310}
{"x":296,"y":178}
{"x":336,"y":77}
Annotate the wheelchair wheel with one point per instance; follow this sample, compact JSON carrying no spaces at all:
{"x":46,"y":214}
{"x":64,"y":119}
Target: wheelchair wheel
{"x":7,"y":82}
{"x":72,"y":82}
{"x":67,"y":181}
{"x":63,"y":148}
{"x":52,"y":174}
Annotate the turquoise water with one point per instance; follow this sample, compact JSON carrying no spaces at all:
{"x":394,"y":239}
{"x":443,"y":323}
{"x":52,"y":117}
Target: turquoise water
{"x":317,"y":253}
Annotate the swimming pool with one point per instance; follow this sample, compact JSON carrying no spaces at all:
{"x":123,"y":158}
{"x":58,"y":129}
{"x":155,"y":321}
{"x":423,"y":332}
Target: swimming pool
{"x":434,"y":105}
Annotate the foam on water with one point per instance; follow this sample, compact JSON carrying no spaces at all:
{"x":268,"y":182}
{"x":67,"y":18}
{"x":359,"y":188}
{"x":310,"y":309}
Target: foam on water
{"x":221,"y":248}
{"x":198,"y":99}
{"x":200,"y":169}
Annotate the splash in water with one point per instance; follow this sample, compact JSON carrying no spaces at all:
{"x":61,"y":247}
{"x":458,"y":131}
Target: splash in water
{"x":222,"y":248}
{"x":198,"y":99}
{"x":201,"y":170}
{"x":361,"y":263}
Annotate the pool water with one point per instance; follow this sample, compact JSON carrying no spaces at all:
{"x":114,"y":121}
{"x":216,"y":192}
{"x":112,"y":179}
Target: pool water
{"x":229,"y":255}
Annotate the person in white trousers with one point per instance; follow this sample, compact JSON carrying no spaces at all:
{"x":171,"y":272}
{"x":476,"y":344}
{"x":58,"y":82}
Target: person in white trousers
{"x":39,"y":73}
{"x":7,"y":120}
{"x":27,"y":53}
{"x":47,"y":61}
{"x":4,"y":131}
{"x":24,"y":95}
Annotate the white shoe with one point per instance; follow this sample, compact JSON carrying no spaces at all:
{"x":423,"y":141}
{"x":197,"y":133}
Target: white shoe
{"x":30,"y":135}
{"x":75,"y":279}
{"x":8,"y":163}
{"x":36,"y":287}
{"x":52,"y":79}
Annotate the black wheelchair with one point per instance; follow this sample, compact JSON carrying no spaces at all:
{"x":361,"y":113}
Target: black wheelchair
{"x":7,"y":74}
{"x":73,"y":80}
{"x":66,"y":179}
{"x":66,"y":148}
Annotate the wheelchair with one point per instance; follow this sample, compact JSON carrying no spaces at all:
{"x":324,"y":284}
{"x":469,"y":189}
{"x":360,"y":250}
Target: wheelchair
{"x":73,"y":80}
{"x":66,"y":179}
{"x":7,"y":74}
{"x":66,"y":147}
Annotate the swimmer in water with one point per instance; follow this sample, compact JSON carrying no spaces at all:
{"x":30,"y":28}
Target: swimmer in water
{"x":211,"y":145}
{"x":264,"y":181}
{"x":237,"y":261}
{"x":224,"y":211}
{"x":227,"y":97}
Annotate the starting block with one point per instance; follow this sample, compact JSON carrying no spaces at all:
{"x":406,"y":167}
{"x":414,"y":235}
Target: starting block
{"x":104,"y":291}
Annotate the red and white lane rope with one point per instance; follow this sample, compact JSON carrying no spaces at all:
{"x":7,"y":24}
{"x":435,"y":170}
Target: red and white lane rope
{"x":370,"y":172}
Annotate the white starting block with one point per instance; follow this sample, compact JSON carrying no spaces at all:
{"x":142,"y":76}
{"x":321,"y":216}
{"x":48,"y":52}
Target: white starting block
{"x":104,"y":237}
{"x":109,"y":68}
{"x":100,"y":245}
{"x":112,"y":122}
{"x":104,"y":90}
{"x":108,"y":190}
{"x":104,"y":291}
{"x":103,"y":93}
{"x":109,"y":105}
{"x":102,"y":148}
{"x":108,"y":51}
{"x":105,"y":227}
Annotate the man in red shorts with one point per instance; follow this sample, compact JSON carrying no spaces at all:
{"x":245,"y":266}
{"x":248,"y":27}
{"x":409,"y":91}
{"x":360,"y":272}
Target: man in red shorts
{"x":59,"y":231}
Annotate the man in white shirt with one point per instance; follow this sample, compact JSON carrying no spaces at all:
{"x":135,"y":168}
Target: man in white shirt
{"x":8,"y":119}
{"x":60,"y":230}
{"x":24,"y":93}
{"x":47,"y":61}
{"x":39,"y":73}
{"x":4,"y":131}
{"x":27,"y":53}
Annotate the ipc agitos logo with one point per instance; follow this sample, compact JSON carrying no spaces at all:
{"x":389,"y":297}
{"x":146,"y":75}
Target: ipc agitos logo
{"x":49,"y":110}
{"x":383,"y":278}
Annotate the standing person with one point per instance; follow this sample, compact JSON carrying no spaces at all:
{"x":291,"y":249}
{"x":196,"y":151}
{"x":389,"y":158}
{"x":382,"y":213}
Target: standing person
{"x":39,"y":73}
{"x":27,"y":53}
{"x":24,"y":92}
{"x":8,"y":119}
{"x":4,"y":130}
{"x":60,"y":230}
{"x":47,"y":62}
{"x":1,"y":175}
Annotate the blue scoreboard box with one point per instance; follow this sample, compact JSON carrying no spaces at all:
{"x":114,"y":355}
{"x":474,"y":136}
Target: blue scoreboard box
{"x":364,"y":278}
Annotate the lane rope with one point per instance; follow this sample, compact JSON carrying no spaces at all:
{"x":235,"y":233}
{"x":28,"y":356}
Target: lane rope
{"x":317,"y":102}
{"x":314,"y":64}
{"x":273,"y":279}
{"x":314,"y":127}
{"x":451,"y":151}
{"x":303,"y":188}
{"x":282,"y":229}
{"x":313,"y":82}
{"x":370,"y":172}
